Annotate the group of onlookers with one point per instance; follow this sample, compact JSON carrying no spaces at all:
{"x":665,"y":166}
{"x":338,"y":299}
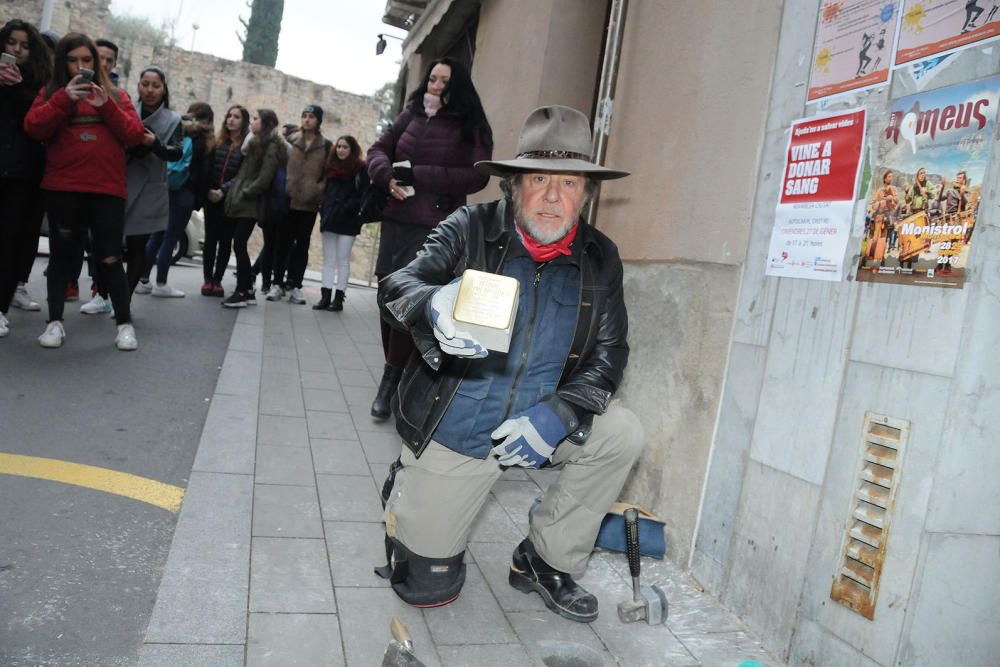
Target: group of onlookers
{"x":118,"y":180}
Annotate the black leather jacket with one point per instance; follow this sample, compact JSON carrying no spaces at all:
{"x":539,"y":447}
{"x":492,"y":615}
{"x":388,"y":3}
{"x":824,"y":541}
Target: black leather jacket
{"x":477,"y":237}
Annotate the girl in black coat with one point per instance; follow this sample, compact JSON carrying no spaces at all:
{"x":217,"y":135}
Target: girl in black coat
{"x":346,"y":181}
{"x":22,"y":159}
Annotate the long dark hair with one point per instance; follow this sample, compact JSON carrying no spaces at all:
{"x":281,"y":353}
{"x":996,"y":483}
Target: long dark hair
{"x":458,"y":99}
{"x":223,"y":134}
{"x":268,"y":124}
{"x":352,"y":159}
{"x":60,"y":73}
{"x":165,"y":102}
{"x":39,"y":65}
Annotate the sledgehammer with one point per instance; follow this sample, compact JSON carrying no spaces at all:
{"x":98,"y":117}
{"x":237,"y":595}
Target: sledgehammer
{"x":648,"y":603}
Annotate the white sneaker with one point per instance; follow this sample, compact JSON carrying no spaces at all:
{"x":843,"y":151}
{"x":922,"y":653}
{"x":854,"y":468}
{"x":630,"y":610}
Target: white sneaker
{"x":144,"y":287}
{"x":275,"y":293}
{"x":166,"y":291}
{"x":53,"y":335}
{"x":23,"y":300}
{"x":4,"y":326}
{"x":296,"y":296}
{"x":96,"y":306}
{"x":126,"y":340}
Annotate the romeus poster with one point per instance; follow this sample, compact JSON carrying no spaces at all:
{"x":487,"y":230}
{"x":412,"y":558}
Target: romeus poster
{"x":931,"y":159}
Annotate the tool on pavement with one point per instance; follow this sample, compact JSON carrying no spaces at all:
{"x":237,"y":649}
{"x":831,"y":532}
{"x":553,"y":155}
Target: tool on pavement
{"x":648,"y":603}
{"x":400,"y":650}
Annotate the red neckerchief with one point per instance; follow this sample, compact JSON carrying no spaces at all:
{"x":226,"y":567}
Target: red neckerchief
{"x":545,"y":253}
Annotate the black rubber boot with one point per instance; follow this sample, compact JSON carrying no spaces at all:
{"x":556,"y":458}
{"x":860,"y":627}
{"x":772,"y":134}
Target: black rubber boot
{"x":338,"y":300}
{"x":529,"y":573}
{"x":386,"y":388}
{"x":324,"y":299}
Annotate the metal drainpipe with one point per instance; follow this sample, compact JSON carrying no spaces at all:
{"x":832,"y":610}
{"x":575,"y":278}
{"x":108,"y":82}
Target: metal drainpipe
{"x":46,"y":22}
{"x":606,"y":93}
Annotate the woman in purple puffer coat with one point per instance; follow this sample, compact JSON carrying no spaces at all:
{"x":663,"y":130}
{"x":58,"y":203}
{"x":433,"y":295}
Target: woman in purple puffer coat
{"x":426,"y":162}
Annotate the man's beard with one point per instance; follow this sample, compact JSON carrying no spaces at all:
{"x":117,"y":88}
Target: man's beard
{"x":535,"y":231}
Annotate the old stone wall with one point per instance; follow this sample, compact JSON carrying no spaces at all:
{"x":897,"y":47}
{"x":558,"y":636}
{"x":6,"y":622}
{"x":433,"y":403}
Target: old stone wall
{"x":199,"y":76}
{"x":86,"y":16}
{"x":204,"y":77}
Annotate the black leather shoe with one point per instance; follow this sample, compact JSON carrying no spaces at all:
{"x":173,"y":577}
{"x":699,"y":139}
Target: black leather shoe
{"x":528,"y":572}
{"x":381,"y":406}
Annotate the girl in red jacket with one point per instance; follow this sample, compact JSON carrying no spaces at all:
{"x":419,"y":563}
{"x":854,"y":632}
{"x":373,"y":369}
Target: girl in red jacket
{"x":86,"y":132}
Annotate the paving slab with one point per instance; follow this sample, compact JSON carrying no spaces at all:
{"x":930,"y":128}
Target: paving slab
{"x":474,"y":618}
{"x":185,"y":655}
{"x":294,"y":640}
{"x":284,"y":465}
{"x":203,"y":592}
{"x":229,"y":436}
{"x":318,"y":380}
{"x":283,"y":431}
{"x":324,"y":400}
{"x":240,"y":374}
{"x":364,"y":624}
{"x":380,"y":446}
{"x":348,"y":498}
{"x":355,"y":549}
{"x":331,"y":425}
{"x":290,"y":576}
{"x":286,"y":511}
{"x":338,"y":457}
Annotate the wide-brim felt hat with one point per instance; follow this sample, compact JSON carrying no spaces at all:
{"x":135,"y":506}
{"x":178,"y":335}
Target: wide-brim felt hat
{"x":555,"y":139}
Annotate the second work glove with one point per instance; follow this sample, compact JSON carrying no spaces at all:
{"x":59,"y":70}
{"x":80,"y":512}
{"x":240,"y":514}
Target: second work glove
{"x":529,"y":438}
{"x":450,"y":339}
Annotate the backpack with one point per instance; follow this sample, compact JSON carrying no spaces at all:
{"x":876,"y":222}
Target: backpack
{"x":179,"y":172}
{"x":276,"y":198}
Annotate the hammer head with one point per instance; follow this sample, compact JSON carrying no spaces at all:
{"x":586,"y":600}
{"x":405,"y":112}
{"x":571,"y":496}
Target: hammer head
{"x":650,"y":606}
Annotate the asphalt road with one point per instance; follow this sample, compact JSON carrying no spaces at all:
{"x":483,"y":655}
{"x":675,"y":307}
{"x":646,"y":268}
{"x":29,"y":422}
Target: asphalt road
{"x":79,"y":568}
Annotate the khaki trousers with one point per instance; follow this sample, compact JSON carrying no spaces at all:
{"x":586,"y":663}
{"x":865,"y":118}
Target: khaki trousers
{"x":437,"y":497}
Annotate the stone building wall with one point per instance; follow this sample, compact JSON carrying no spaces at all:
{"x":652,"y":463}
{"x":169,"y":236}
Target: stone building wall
{"x":87,"y":16}
{"x":201,"y":76}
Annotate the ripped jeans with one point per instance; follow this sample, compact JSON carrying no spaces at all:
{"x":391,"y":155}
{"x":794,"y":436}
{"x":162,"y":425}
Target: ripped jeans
{"x":71,"y":214}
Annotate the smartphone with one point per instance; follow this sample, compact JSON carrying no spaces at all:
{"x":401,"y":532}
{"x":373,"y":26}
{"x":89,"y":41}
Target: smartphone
{"x":7,"y":59}
{"x":87,"y":74}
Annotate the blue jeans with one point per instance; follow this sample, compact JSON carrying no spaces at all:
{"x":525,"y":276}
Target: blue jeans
{"x":160,"y":247}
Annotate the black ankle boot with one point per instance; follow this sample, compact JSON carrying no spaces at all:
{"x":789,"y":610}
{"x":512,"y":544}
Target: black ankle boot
{"x":338,"y":300}
{"x":528,"y":572}
{"x":386,"y":388}
{"x":324,"y":299}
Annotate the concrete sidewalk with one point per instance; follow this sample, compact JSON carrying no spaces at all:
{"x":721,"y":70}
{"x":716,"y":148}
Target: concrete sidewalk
{"x":272,"y":558}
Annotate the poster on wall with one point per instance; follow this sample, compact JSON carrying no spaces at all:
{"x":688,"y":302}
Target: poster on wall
{"x":931,"y":159}
{"x":853,"y":47}
{"x":930,"y":28}
{"x":812,"y":221}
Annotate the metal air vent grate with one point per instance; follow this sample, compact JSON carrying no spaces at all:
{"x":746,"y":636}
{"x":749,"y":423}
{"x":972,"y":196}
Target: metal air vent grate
{"x":855,"y":584}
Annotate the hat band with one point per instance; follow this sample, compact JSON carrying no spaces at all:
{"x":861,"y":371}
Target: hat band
{"x":559,"y":155}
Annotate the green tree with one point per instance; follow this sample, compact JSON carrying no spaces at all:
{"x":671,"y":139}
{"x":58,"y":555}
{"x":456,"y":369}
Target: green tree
{"x":260,"y":38}
{"x":389,"y":103}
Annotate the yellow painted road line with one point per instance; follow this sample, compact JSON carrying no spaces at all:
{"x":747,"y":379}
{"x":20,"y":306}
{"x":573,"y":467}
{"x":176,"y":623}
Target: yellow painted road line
{"x":146,"y":490}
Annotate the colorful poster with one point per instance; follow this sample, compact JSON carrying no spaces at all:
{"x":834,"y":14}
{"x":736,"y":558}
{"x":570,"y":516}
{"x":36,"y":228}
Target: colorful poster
{"x":930,"y":28}
{"x":853,"y":46}
{"x":931,"y":159}
{"x":812,"y":221}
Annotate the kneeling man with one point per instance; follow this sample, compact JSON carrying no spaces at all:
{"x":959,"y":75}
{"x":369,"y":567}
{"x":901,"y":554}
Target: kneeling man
{"x":465,"y":415}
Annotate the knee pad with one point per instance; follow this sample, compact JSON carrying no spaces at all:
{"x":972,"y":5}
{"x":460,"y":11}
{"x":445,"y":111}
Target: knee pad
{"x":422,"y":581}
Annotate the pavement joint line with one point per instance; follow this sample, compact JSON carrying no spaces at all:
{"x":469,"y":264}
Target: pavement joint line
{"x":143,"y":489}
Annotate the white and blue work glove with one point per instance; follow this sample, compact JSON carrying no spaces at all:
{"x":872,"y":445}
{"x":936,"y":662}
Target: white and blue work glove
{"x":529,"y":438}
{"x":451,"y":340}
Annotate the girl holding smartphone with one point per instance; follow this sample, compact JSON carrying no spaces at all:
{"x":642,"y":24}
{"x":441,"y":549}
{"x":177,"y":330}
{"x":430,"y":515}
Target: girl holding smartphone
{"x":25,"y":65}
{"x":86,"y":132}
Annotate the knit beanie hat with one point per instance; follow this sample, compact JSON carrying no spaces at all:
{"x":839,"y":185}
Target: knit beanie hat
{"x":315,"y":110}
